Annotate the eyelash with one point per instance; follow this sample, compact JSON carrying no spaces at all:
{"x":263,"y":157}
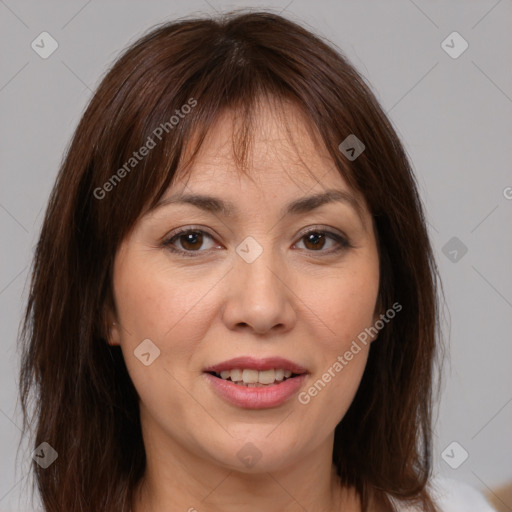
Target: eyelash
{"x":343,"y":243}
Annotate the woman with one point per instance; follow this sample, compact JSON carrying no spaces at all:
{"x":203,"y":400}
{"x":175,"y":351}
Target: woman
{"x":233,"y":301}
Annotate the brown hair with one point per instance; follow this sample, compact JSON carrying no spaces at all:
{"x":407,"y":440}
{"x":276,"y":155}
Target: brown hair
{"x":85,"y":405}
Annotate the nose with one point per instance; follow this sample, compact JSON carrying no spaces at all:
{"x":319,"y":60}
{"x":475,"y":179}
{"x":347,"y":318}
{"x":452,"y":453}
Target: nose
{"x":260,"y":296}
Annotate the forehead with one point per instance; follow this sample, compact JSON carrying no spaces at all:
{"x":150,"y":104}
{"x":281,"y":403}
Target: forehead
{"x":281,"y":150}
{"x":286,"y":168}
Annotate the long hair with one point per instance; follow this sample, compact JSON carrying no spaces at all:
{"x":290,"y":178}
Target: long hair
{"x":75,"y":390}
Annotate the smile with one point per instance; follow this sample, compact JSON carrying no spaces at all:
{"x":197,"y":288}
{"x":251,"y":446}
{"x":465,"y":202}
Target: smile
{"x":254,"y":378}
{"x":256,"y":383}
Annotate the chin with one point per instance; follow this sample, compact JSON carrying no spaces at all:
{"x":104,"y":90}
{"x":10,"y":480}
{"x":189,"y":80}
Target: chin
{"x":257,"y":453}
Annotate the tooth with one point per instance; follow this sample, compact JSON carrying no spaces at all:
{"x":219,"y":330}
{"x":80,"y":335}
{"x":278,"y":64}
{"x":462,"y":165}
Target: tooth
{"x":266,"y":376}
{"x":236,"y":375}
{"x":250,"y":376}
{"x":255,"y":378}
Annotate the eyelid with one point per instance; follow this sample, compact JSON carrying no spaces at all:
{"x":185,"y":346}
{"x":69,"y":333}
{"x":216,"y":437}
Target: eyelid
{"x":186,"y":229}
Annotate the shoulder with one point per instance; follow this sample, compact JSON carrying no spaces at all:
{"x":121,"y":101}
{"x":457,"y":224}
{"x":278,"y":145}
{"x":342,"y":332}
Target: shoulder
{"x":454,"y":496}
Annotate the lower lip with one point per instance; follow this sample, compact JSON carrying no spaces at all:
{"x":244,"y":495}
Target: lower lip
{"x":263,"y":397}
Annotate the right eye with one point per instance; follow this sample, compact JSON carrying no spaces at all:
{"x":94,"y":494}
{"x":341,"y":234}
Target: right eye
{"x":190,"y":241}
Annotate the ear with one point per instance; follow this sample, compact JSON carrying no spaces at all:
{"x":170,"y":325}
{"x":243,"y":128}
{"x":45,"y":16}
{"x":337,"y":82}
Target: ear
{"x":113,"y":334}
{"x":111,"y":328}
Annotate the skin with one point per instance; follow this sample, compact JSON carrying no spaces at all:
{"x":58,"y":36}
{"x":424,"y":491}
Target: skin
{"x":296,"y":300}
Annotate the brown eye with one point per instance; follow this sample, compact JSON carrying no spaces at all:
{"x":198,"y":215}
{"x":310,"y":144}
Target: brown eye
{"x":189,"y":241}
{"x":323,"y":241}
{"x":314,"y":240}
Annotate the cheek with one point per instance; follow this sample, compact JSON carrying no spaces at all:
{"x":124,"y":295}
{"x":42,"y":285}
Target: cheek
{"x":153,"y":302}
{"x":344,"y":306}
{"x":331,"y":391}
{"x":170,"y":310}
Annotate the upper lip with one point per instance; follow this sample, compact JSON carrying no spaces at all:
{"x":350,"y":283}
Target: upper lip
{"x":252,"y":363}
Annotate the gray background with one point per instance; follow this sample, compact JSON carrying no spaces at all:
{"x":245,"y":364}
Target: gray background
{"x":453,"y":115}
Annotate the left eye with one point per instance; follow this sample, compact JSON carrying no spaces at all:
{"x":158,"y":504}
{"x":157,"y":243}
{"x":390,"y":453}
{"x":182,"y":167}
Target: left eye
{"x":191,"y":241}
{"x":316,"y":240}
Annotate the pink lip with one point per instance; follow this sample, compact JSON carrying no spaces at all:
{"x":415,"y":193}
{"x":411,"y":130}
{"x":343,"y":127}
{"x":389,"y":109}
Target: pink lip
{"x":261,"y":397}
{"x":252,"y":363}
{"x":256,"y":398}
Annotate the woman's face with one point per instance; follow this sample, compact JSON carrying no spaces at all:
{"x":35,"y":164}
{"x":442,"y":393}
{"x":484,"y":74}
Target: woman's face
{"x":250,"y":294}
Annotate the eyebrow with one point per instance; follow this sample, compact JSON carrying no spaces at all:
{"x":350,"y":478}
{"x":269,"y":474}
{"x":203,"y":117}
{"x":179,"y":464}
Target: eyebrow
{"x":299,"y":206}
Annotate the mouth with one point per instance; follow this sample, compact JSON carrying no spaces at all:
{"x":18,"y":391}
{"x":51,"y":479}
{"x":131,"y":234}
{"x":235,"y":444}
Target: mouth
{"x":255,"y":379}
{"x":256,"y":383}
